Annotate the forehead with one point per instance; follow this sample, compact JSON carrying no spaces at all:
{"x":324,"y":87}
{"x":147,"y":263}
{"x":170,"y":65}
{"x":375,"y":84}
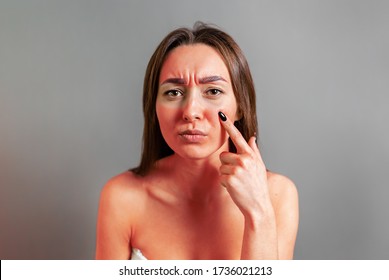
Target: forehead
{"x":194,"y":60}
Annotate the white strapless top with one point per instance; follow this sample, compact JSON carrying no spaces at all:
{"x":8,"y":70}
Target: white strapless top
{"x":136,"y":254}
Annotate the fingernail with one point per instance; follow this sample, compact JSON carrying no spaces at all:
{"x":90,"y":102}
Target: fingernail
{"x":222,"y":116}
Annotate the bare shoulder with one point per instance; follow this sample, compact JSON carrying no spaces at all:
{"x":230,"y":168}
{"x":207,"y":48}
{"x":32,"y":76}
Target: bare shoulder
{"x":281,"y":189}
{"x":123,"y":191}
{"x":124,"y":182}
{"x":284,"y":196}
{"x":120,"y":206}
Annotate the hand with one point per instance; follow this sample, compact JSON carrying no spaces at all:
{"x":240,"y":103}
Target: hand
{"x":244,"y":174}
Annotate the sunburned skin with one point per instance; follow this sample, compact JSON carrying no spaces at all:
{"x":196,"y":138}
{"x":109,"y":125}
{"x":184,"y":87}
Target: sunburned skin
{"x":194,"y":86}
{"x":202,"y":201}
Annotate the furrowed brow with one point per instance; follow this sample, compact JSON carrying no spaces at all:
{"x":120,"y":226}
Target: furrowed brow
{"x":177,"y":81}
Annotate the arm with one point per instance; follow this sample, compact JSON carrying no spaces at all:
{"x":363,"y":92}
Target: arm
{"x":113,"y":226}
{"x":269,"y":208}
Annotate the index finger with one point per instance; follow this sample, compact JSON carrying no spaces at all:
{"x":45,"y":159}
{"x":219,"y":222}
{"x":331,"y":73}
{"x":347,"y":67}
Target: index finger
{"x":240,"y":143}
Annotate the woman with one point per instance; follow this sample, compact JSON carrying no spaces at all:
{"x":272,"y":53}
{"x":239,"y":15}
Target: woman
{"x":201,"y":190}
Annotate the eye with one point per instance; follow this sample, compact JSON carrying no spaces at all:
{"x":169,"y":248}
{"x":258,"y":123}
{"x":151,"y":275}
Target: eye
{"x":173,"y":93}
{"x":214,"y":92}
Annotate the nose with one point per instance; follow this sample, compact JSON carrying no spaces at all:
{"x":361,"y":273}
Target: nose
{"x":192,"y":109}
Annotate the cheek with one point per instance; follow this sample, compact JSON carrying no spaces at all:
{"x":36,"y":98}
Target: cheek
{"x":164,"y":114}
{"x":228,"y":106}
{"x":231,"y":112}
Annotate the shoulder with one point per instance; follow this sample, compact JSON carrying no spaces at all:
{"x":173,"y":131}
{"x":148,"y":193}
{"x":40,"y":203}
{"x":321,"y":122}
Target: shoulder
{"x":122,"y":192}
{"x":122,"y":183}
{"x":119,"y":209}
{"x":284,"y":196}
{"x":282,"y":189}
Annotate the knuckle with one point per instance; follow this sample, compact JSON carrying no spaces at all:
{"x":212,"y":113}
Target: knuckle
{"x":240,"y":161}
{"x":223,"y":156}
{"x":237,"y":170}
{"x":244,"y":162}
{"x":223,"y":169}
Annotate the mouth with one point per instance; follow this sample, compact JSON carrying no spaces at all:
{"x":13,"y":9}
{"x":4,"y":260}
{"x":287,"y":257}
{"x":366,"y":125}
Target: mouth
{"x":193,"y":135}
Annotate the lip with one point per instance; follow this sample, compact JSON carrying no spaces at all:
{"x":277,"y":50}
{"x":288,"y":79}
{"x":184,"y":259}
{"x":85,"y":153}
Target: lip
{"x":193,"y":135}
{"x":192,"y":132}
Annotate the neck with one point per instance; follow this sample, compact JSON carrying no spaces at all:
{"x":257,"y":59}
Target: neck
{"x":197,"y":179}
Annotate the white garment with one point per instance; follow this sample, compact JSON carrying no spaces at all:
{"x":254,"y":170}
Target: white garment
{"x":136,"y":254}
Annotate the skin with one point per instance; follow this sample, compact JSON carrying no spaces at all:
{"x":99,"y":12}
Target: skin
{"x":202,"y":202}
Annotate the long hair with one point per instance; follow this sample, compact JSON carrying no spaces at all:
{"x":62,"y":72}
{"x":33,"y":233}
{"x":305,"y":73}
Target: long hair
{"x":154,"y":145}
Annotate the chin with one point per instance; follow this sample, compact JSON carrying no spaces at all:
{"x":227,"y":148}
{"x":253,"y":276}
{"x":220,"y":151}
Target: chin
{"x":197,"y":152}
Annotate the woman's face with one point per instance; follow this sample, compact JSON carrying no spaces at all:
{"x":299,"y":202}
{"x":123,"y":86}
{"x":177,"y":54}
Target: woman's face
{"x":194,"y":86}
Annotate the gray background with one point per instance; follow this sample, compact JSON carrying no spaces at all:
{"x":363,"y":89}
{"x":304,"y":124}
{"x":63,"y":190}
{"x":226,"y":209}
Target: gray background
{"x":71,"y":75}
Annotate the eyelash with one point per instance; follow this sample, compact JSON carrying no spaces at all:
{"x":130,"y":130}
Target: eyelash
{"x":212,"y":91}
{"x":175,"y":93}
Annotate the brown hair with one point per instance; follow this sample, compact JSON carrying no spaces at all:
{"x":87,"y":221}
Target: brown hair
{"x":154,"y":145}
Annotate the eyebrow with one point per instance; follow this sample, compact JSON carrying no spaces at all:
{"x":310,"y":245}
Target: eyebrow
{"x":211,"y":79}
{"x":205,"y":80}
{"x":177,"y":81}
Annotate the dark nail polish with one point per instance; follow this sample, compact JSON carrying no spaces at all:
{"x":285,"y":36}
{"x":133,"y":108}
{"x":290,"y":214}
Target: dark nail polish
{"x":222,"y":116}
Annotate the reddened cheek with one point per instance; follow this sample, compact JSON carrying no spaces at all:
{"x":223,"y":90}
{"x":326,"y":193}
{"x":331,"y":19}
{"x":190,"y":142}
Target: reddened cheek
{"x":228,"y":114}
